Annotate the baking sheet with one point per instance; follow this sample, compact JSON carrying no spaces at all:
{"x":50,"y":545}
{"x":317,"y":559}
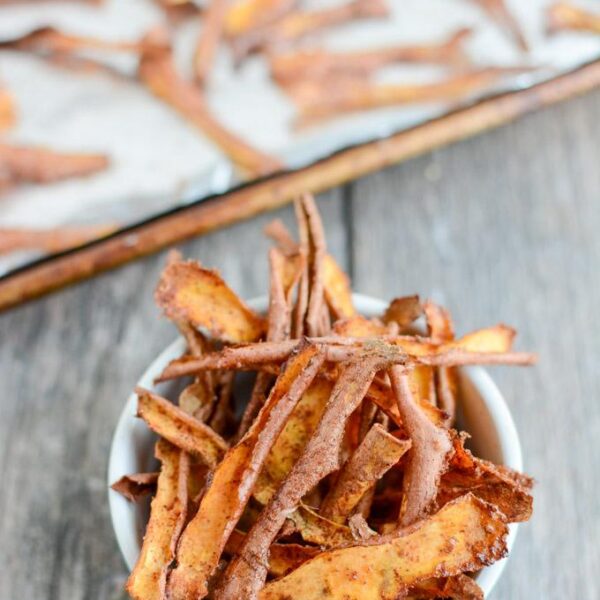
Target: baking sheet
{"x":158,"y":161}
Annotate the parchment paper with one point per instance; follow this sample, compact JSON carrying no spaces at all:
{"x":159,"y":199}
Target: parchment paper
{"x":159,"y":161}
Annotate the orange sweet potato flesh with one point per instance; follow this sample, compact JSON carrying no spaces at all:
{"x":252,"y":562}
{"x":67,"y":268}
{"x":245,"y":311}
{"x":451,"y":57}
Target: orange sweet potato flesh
{"x":359,"y":326}
{"x":205,"y":536}
{"x":187,"y":291}
{"x":283,"y":558}
{"x":459,"y":587}
{"x":564,"y":16}
{"x":376,"y":454}
{"x":7,"y":109}
{"x":167,"y":515}
{"x":337,"y":289}
{"x":385,"y":568}
{"x":291,"y":441}
{"x":245,"y":15}
{"x":316,"y":529}
{"x":181,"y":429}
{"x":496,"y":339}
{"x":507,"y":489}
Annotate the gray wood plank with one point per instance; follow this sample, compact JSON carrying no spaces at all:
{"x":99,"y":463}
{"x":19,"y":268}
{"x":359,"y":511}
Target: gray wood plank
{"x":504,"y":228}
{"x":67,"y":365}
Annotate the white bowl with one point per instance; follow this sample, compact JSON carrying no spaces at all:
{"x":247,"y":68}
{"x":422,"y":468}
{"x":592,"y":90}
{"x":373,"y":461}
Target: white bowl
{"x":482,"y":412}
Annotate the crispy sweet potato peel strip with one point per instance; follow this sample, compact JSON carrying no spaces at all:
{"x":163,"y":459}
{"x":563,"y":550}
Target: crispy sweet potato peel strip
{"x":344,"y":477}
{"x":564,"y":16}
{"x":385,"y":569}
{"x":350,"y":95}
{"x":441,"y":328}
{"x":428,"y":457}
{"x":247,"y":15}
{"x":322,"y":64}
{"x":247,"y":572}
{"x":508,"y":490}
{"x":48,"y":40}
{"x":300,"y":24}
{"x":376,"y":454}
{"x":158,"y":73}
{"x":458,"y":587}
{"x":136,"y":486}
{"x":181,"y":429}
{"x":291,"y":441}
{"x":204,"y":538}
{"x":319,"y":530}
{"x":278,"y":327}
{"x":167,"y":516}
{"x":283,"y":558}
{"x":20,"y":164}
{"x":335,"y":282}
{"x":212,"y":30}
{"x":498,"y":12}
{"x":7,"y":109}
{"x":189,"y":292}
{"x":485,"y":346}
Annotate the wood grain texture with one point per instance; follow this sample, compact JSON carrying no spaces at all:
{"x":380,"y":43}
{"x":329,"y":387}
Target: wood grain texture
{"x":502,"y":227}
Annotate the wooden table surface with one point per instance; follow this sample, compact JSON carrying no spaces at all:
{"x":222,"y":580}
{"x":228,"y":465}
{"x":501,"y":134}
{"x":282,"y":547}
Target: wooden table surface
{"x":504,"y":227}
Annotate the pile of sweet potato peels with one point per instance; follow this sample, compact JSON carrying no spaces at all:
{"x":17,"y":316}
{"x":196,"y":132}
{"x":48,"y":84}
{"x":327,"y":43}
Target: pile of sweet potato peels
{"x":341,"y":476}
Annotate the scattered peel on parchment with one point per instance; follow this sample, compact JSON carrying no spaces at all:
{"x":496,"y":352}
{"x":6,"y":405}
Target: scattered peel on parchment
{"x":316,"y":104}
{"x":29,"y":164}
{"x":158,"y":73}
{"x":503,"y":17}
{"x":322,"y":64}
{"x":564,"y":16}
{"x":302,"y":23}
